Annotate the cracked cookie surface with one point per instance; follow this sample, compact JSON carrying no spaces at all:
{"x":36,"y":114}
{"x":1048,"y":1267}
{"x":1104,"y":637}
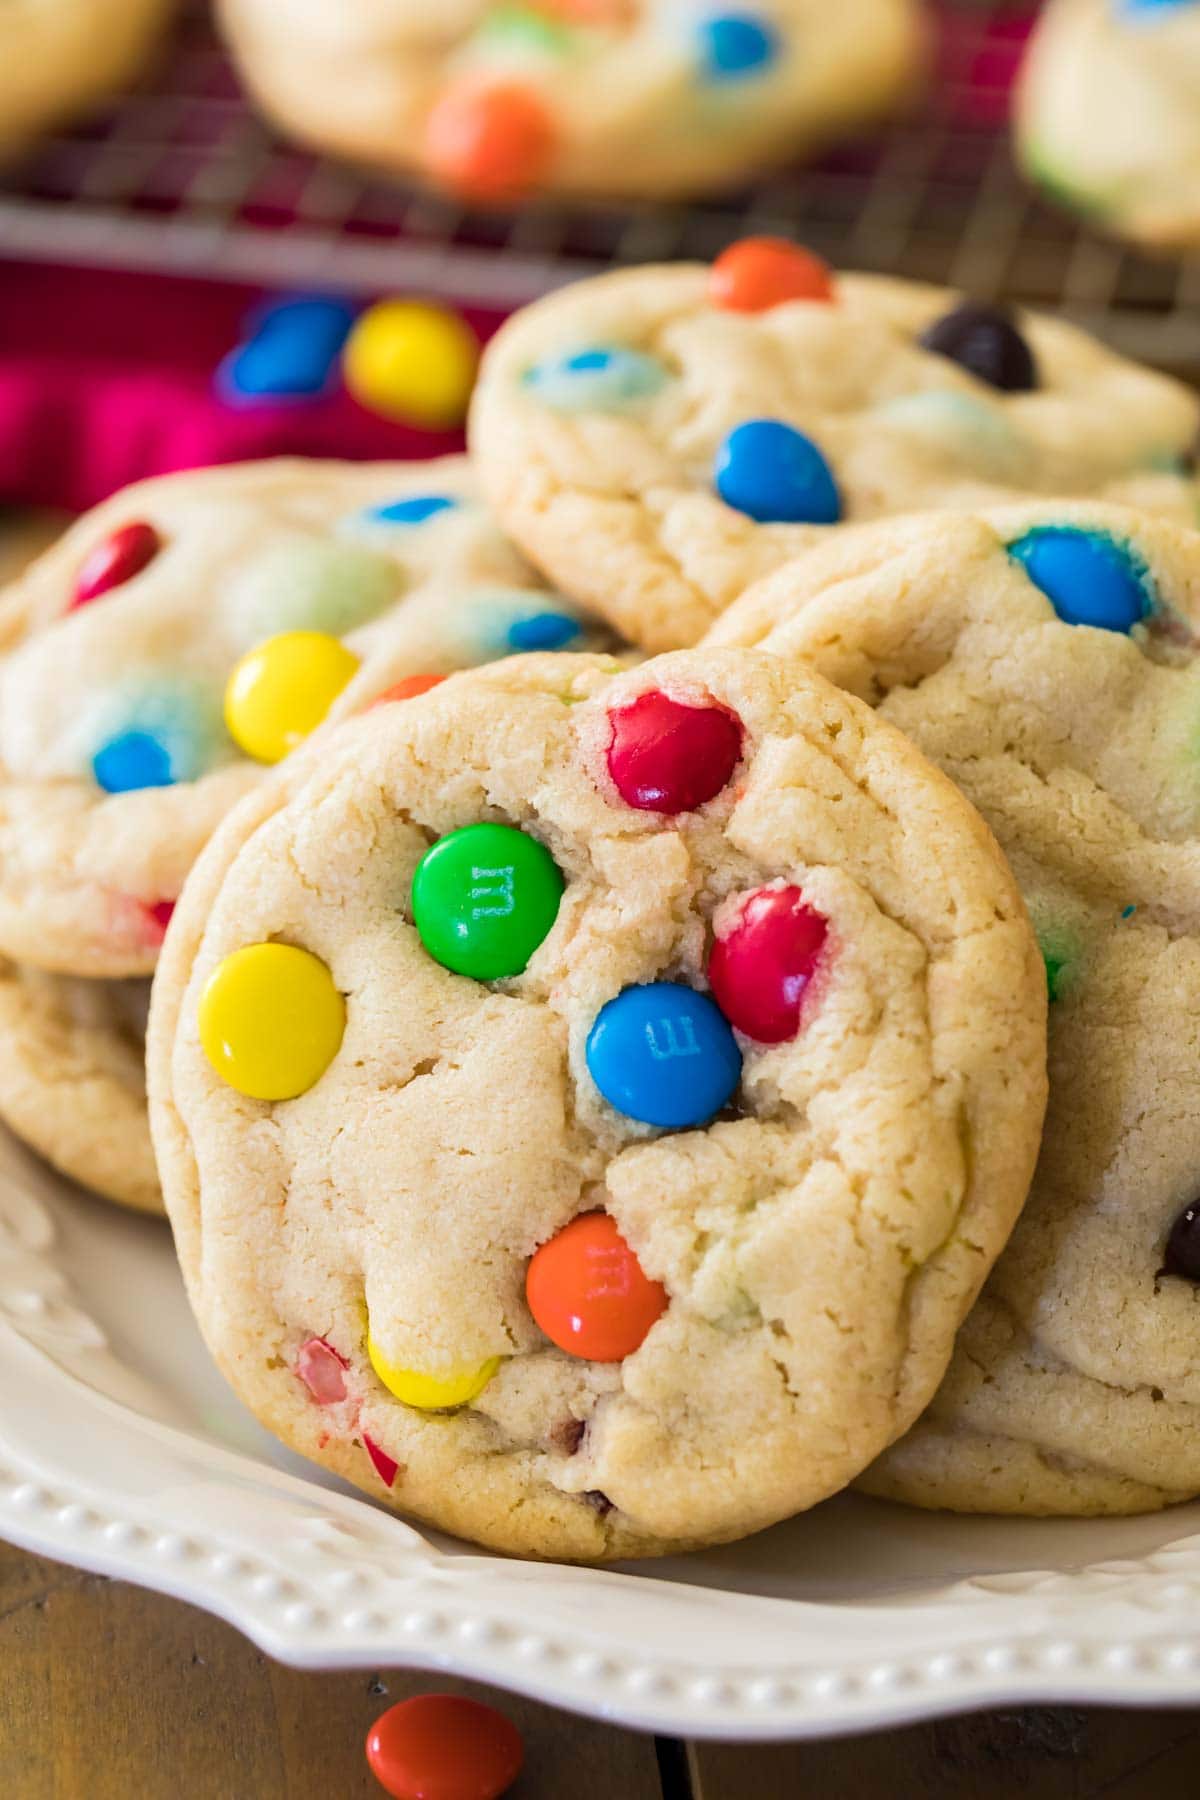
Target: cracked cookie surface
{"x":1075,"y":1382}
{"x":385,"y":1263}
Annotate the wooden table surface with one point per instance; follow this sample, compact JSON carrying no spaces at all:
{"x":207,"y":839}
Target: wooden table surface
{"x":112,"y":1693}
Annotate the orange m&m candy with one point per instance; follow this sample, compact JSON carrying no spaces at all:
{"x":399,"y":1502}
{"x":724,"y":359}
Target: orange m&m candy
{"x":589,"y":1293}
{"x":489,"y":141}
{"x":760,"y":272}
{"x":444,"y":1747}
{"x":408,"y":688}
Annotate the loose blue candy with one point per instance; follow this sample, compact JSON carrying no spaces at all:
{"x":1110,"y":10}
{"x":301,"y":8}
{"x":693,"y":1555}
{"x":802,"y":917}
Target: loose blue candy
{"x":776,"y":475}
{"x":598,"y":379}
{"x":290,"y":351}
{"x":135,"y":759}
{"x":414,"y":509}
{"x":1087,"y":576}
{"x":664,"y":1054}
{"x":736,"y":44}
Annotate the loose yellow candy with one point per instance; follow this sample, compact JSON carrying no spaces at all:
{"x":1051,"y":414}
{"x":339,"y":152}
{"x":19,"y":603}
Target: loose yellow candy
{"x":282,"y":689}
{"x":412,"y":361}
{"x":271,"y":1020}
{"x":432,"y":1393}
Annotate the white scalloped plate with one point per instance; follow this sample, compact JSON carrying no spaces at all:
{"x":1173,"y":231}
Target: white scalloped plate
{"x":121,"y":1450}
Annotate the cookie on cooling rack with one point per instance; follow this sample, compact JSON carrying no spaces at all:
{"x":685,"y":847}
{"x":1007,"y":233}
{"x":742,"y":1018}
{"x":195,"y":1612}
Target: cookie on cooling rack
{"x":191,"y":631}
{"x":1108,"y":114}
{"x":658,"y":438}
{"x":1048,"y":659}
{"x":605,"y":97}
{"x":58,"y":58}
{"x":587,"y":1102}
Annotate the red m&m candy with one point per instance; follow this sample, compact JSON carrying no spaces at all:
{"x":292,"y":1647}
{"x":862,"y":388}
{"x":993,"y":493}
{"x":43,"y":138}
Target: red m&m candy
{"x":763,"y":961}
{"x":669,"y":756}
{"x":408,"y":689}
{"x":489,"y":141}
{"x":589,"y":1293}
{"x":444,"y":1747}
{"x":121,"y":556}
{"x":761,"y":272}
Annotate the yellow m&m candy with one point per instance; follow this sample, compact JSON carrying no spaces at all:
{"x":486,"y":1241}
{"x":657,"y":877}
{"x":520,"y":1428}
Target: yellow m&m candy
{"x":271,"y":1020}
{"x":431,"y":1393}
{"x":282,"y":689}
{"x":412,"y":361}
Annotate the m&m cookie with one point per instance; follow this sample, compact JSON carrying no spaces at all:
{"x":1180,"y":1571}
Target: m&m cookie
{"x":60,"y":58}
{"x":494,"y":99}
{"x":658,"y":438}
{"x":193,"y":631}
{"x":1046,"y":658}
{"x":588,"y":1101}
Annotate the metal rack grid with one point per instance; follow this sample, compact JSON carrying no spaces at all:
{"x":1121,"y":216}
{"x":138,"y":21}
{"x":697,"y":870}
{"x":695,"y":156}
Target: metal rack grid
{"x":183,"y":178}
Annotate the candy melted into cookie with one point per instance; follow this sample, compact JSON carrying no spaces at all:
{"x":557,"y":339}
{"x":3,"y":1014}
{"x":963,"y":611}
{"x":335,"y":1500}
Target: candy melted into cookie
{"x":587,"y":1102}
{"x":1046,"y":659}
{"x":659,"y":438}
{"x":194,"y":630}
{"x":493,"y":98}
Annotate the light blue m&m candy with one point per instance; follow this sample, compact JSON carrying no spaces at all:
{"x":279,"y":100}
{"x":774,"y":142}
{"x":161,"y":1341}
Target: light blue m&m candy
{"x":664,"y":1055}
{"x":776,"y":475}
{"x":1088,"y":577}
{"x":734,"y":45}
{"x":600,"y":378}
{"x":1150,"y":9}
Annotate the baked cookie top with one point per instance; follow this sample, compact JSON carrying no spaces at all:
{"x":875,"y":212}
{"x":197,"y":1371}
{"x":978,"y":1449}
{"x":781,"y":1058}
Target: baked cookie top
{"x":616,"y":97}
{"x":587,"y":1102}
{"x":60,"y":56}
{"x":191,"y":631}
{"x":658,"y":438}
{"x":1046,"y":658}
{"x":1135,"y":66}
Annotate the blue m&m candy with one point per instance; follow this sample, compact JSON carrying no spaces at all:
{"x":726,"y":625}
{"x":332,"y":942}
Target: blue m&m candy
{"x":600,"y":378}
{"x":543,"y":631}
{"x":152,"y":735}
{"x":132,"y":759}
{"x":776,"y":475}
{"x":413,"y":509}
{"x":1151,"y":8}
{"x":664,"y":1054}
{"x":1087,"y":576}
{"x":733,"y":45}
{"x":290,"y":351}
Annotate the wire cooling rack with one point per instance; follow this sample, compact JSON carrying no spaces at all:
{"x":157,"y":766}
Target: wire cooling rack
{"x":183,"y":178}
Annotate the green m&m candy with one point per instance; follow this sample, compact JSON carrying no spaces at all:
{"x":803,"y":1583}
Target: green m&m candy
{"x":483,"y":898}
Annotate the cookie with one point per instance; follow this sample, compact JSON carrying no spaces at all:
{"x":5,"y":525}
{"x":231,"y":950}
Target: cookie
{"x":587,"y":1102}
{"x":59,"y":58}
{"x":659,"y":438}
{"x":603,"y":97}
{"x":1108,"y":115}
{"x":188,"y":633}
{"x":1046,"y":658}
{"x":72,"y":1079}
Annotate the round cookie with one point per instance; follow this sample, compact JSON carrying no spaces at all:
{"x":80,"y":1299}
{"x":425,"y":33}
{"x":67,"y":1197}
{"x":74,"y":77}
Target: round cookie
{"x":193,"y":629}
{"x":654,"y":1224}
{"x":1135,"y":65}
{"x":72,"y":1079}
{"x":607,"y":97}
{"x":1046,"y":658}
{"x":659,"y":438}
{"x":61,"y":57}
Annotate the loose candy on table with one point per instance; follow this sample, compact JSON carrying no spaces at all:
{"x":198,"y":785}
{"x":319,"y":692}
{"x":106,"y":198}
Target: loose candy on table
{"x":1087,"y":576}
{"x":758,"y":273}
{"x":444,"y":1747}
{"x":489,"y":141}
{"x":671,"y":756}
{"x":763,"y":959}
{"x":123,"y":554}
{"x":271,"y":1020}
{"x":663,"y":1054}
{"x":290,"y":350}
{"x":281,"y":691}
{"x":776,"y":475}
{"x":588,"y":1291}
{"x":985,"y":342}
{"x":412,"y":361}
{"x":484,"y":898}
{"x":432,"y":1392}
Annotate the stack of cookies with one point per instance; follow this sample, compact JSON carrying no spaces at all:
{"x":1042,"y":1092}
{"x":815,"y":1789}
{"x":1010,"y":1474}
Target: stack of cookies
{"x":591,"y":1090}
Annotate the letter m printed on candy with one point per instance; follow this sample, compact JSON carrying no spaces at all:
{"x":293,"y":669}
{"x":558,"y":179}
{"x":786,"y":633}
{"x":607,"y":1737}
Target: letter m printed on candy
{"x":667,"y":1038}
